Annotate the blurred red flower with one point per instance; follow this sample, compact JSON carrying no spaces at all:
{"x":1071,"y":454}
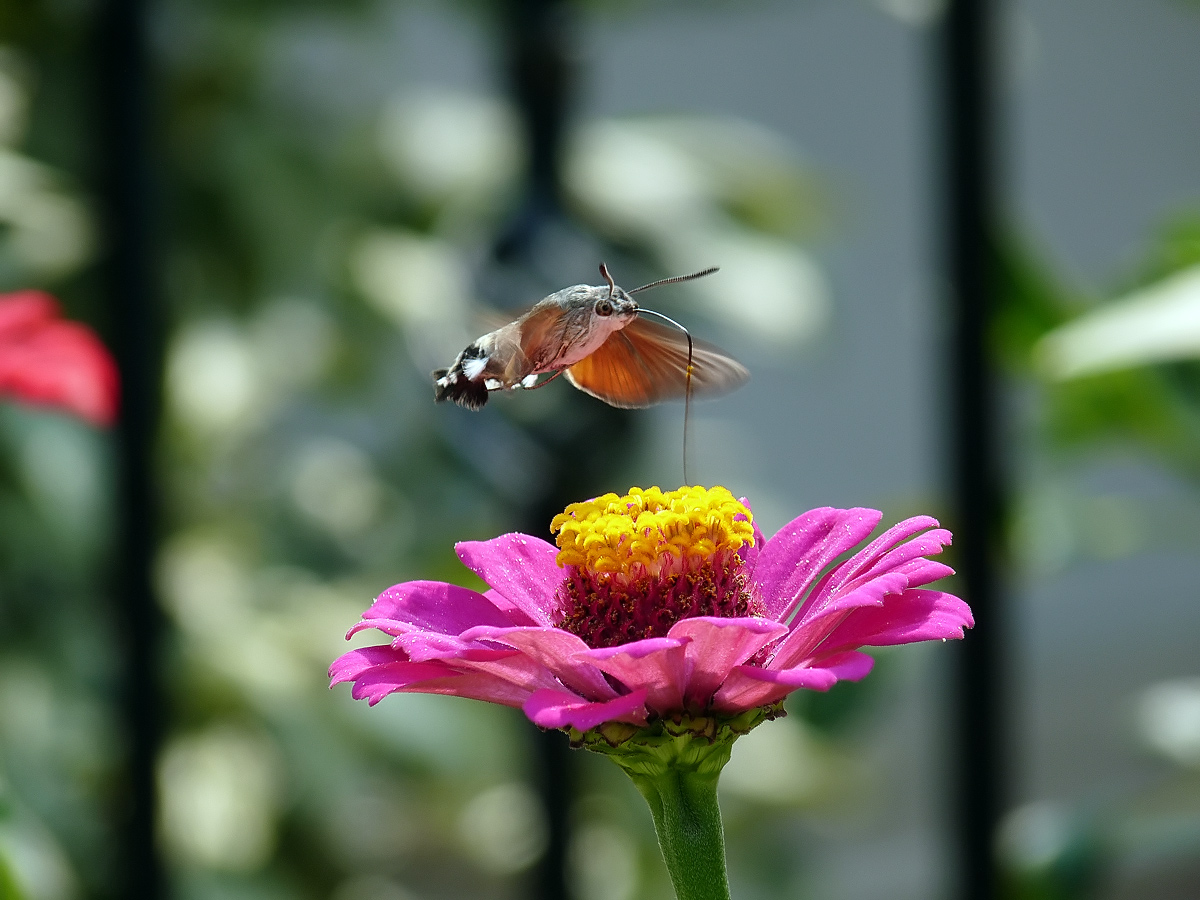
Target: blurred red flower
{"x":47,"y":360}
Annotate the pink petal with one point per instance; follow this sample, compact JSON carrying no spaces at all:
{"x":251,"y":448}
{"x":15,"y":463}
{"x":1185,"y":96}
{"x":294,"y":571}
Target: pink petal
{"x":851,"y":666}
{"x":379,"y":671}
{"x":470,"y":685}
{"x":866,"y":558}
{"x":420,"y":646}
{"x":432,"y":606}
{"x":915,"y":615}
{"x":387,"y":626}
{"x":716,"y":646}
{"x":867,"y":590}
{"x":659,"y":665}
{"x":374,"y":682}
{"x":928,"y":544}
{"x":749,"y":686}
{"x":818,"y":624}
{"x":350,"y":665}
{"x":558,"y":651}
{"x":924,"y":571}
{"x":519,"y":567}
{"x":515,"y":668}
{"x":377,"y":682}
{"x":862,"y":567}
{"x":793,"y":558}
{"x":558,"y":709}
{"x":513,"y":612}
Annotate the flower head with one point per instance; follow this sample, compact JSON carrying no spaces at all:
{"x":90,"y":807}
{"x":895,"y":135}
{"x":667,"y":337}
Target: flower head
{"x":660,"y":606}
{"x":635,"y":565}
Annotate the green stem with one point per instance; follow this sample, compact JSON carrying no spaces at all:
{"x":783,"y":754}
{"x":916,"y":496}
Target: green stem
{"x":688,"y":824}
{"x":675,"y":763}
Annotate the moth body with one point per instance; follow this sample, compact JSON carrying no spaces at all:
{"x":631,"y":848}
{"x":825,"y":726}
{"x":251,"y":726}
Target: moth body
{"x":594,"y":336}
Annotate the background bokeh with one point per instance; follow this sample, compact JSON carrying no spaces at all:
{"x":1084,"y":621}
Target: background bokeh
{"x":342,"y":188}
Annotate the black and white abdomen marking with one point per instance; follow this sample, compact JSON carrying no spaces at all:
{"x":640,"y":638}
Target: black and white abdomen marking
{"x":464,"y":382}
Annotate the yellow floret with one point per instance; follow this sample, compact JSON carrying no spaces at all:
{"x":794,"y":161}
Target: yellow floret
{"x":611,"y":533}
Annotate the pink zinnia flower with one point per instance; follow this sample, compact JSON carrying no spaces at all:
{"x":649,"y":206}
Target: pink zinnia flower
{"x":49,"y":361}
{"x":660,"y":606}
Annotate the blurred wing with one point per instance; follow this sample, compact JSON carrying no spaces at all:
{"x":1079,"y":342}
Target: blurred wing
{"x":645,"y":363}
{"x":541,"y":331}
{"x":486,"y":319}
{"x":514,"y":345}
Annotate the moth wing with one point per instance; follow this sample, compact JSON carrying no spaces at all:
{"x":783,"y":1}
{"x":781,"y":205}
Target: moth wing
{"x":664,"y":351}
{"x":506,"y":346}
{"x":616,"y":374}
{"x":540,"y":326}
{"x":520,"y":345}
{"x":511,"y":343}
{"x":646,"y":363}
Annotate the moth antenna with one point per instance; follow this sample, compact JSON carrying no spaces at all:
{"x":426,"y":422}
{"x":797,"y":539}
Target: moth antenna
{"x":687,"y":394}
{"x":612,"y":285}
{"x":675,"y":280}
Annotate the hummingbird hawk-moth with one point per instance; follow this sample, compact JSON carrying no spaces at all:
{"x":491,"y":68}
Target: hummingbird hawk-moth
{"x":596,"y":337}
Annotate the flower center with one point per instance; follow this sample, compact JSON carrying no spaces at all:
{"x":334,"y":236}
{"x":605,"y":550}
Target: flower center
{"x":635,"y":565}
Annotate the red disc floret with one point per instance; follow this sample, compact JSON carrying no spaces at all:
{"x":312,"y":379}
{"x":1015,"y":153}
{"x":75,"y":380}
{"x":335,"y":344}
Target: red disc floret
{"x":606,"y":609}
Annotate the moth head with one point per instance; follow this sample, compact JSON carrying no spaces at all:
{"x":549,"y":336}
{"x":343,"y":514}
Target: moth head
{"x":616,"y":302}
{"x":619,"y":302}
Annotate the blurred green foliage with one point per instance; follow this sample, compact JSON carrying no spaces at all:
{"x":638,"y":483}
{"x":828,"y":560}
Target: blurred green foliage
{"x":1136,"y":410}
{"x":1154,"y":408}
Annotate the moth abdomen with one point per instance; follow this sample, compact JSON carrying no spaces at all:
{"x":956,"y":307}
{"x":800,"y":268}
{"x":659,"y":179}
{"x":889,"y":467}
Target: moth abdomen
{"x":464,"y":382}
{"x":452,"y":384}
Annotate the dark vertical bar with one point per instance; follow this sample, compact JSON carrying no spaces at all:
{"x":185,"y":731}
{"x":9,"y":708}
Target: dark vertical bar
{"x":555,"y":787}
{"x":541,"y":74}
{"x":123,"y":130}
{"x":541,"y":79}
{"x":967,"y":71}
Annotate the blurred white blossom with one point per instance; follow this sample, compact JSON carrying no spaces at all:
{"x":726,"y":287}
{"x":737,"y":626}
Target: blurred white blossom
{"x":603,"y":863}
{"x":213,"y":382}
{"x":293,"y":341}
{"x":50,"y":231}
{"x":38,"y":864}
{"x":334,"y":486}
{"x":775,"y":765}
{"x":371,"y":887}
{"x":444,"y":145}
{"x":14,"y":98}
{"x":673,"y":184}
{"x":221,"y":792}
{"x":421,"y":284}
{"x":1168,"y":717}
{"x":1033,"y":836}
{"x":504,"y":828}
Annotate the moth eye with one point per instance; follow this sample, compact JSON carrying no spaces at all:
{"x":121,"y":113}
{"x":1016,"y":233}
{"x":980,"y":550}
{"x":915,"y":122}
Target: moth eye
{"x":604,"y":308}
